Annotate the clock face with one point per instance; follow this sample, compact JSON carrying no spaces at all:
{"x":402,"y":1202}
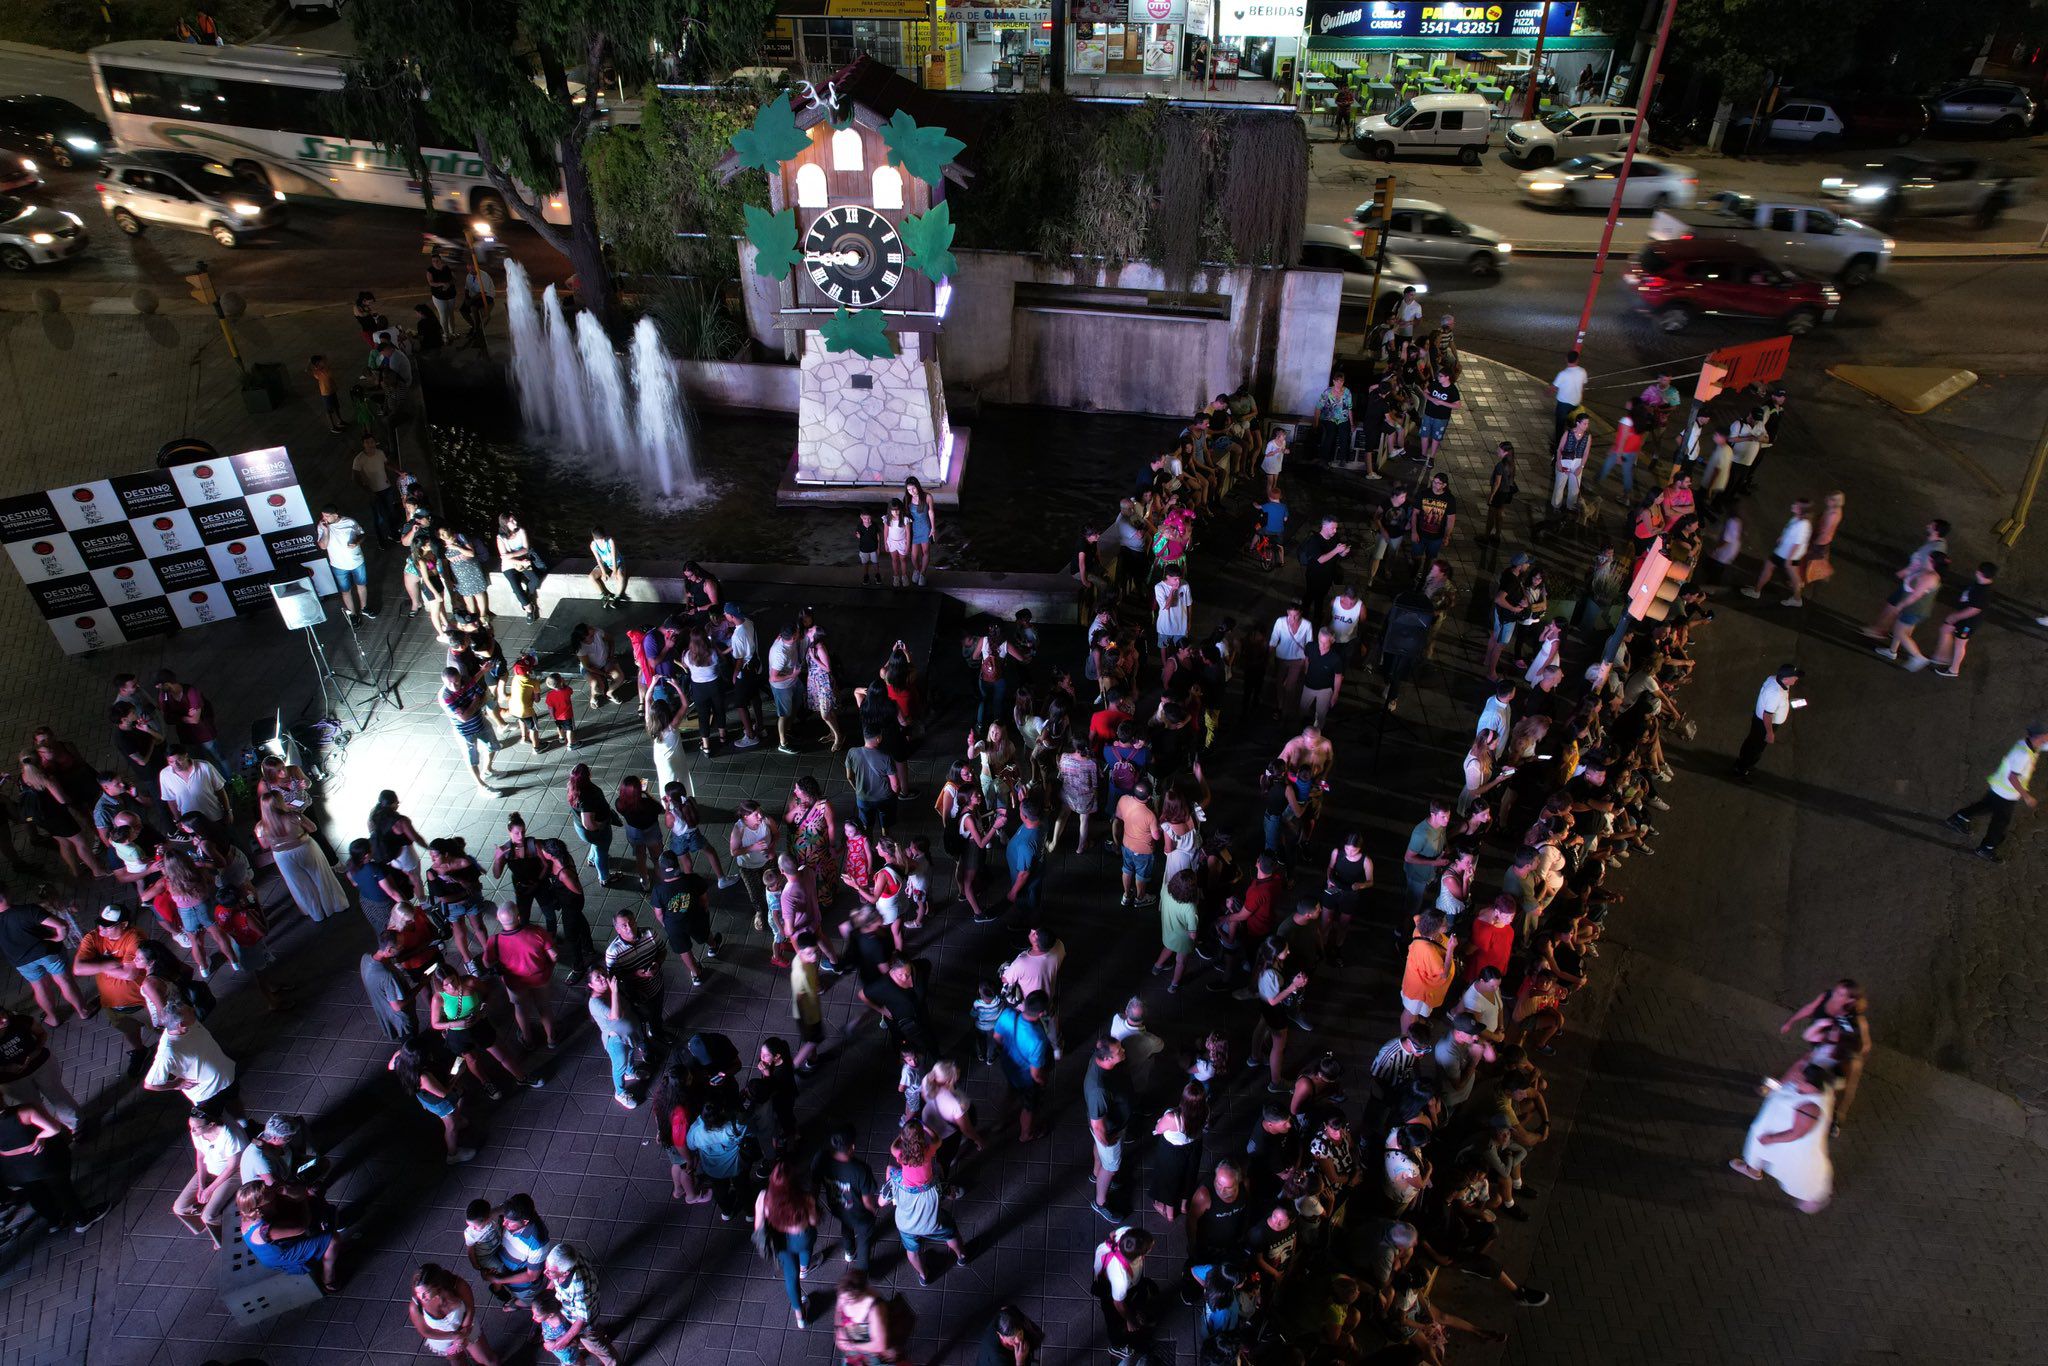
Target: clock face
{"x":853,"y":256}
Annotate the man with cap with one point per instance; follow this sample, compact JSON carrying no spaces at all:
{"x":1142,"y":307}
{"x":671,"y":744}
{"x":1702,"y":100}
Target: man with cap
{"x":280,"y":1156}
{"x":111,"y":954}
{"x":1773,"y":709}
{"x":2007,"y":787}
{"x":1456,"y":1058}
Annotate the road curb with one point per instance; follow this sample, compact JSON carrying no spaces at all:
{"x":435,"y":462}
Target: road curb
{"x":32,"y":50}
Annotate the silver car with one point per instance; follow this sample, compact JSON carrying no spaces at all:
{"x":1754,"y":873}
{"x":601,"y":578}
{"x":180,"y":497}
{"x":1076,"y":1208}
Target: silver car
{"x":186,"y":190}
{"x":36,"y":235}
{"x":1588,"y":183}
{"x":1431,"y":235}
{"x":1329,"y":248}
{"x":2002,"y":107}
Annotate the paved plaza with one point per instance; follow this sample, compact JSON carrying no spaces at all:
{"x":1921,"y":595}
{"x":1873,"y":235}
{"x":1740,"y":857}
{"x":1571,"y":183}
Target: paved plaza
{"x":1653,"y":1250}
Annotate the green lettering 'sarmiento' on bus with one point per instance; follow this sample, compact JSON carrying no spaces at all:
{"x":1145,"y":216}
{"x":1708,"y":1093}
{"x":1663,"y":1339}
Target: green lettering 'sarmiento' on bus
{"x":373,"y":158}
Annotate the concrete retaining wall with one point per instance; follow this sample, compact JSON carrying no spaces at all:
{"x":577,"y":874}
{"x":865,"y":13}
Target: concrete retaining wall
{"x":740,"y":386}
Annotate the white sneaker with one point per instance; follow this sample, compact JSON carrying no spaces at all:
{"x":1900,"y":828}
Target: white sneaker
{"x":1793,"y":602}
{"x":729,"y":880}
{"x":460,"y":1156}
{"x":1751,"y":593}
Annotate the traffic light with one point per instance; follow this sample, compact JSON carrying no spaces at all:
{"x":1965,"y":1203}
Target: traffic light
{"x":1377,"y":216}
{"x":1659,"y":580}
{"x":202,"y":287}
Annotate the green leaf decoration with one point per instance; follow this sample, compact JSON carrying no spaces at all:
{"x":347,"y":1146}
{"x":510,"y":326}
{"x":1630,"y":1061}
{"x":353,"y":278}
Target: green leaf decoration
{"x":924,"y":152}
{"x":929,"y":236}
{"x":861,"y":333}
{"x":773,"y":139}
{"x":774,"y":239}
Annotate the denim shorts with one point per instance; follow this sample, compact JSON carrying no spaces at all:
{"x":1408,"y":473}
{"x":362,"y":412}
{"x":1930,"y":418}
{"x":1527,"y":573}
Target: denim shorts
{"x":462,"y":910}
{"x":785,"y":700}
{"x":1504,"y":628}
{"x":1139,"y":866}
{"x":49,"y":965}
{"x":643,"y":837}
{"x":682,"y":842}
{"x":194,"y":919}
{"x":443,"y":1106}
{"x":345,"y":579}
{"x":939,"y":1237}
{"x":1433,"y":428}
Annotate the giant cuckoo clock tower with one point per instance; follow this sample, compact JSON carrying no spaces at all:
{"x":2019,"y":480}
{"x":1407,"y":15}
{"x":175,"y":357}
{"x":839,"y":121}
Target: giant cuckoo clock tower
{"x":859,"y":238}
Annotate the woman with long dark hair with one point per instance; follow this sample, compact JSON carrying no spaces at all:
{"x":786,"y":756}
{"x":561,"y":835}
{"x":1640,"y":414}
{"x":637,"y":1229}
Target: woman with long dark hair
{"x":1177,"y":1157}
{"x":595,"y":820}
{"x":786,"y":1215}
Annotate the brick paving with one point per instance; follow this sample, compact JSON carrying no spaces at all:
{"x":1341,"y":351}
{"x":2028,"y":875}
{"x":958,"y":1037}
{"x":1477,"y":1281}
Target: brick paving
{"x":683,"y":1288}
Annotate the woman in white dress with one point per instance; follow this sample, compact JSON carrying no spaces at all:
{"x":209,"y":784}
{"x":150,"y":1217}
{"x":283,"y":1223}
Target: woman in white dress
{"x":1788,"y":1139}
{"x":307,"y":874}
{"x":671,"y":765}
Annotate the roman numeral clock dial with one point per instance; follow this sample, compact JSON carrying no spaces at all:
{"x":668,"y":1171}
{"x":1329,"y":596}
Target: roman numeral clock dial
{"x":853,"y":256}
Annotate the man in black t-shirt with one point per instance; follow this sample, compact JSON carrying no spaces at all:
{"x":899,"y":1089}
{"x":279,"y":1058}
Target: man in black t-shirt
{"x":846,"y":1186}
{"x":1322,"y":557}
{"x":1107,"y":1091}
{"x":681,"y":903}
{"x":1436,"y":513}
{"x":1439,"y":400}
{"x":1323,"y":678}
{"x":1959,"y":625}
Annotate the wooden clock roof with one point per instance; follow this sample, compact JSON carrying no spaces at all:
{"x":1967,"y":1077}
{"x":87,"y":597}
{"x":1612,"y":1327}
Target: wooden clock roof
{"x":873,"y":93}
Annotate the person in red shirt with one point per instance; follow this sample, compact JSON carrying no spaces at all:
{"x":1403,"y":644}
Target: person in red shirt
{"x":1102,"y":725}
{"x":524,"y":955}
{"x":1248,"y":920}
{"x":1492,"y":938}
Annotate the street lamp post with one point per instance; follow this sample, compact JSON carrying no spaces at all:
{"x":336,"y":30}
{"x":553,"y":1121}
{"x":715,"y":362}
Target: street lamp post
{"x":1628,"y":162}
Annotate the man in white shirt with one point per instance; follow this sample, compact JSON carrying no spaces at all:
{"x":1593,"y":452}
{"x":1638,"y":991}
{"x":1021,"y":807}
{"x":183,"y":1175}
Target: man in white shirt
{"x":1786,"y":555}
{"x":743,"y":646}
{"x":1773,"y":709}
{"x":1498,"y":715}
{"x":1482,"y":1001}
{"x":188,"y":786}
{"x":1568,"y":387}
{"x":1172,"y":596}
{"x":190,"y":1060}
{"x":1408,"y":314}
{"x":342,"y":538}
{"x":2007,"y":787}
{"x":1746,"y":443}
{"x":1289,"y":643}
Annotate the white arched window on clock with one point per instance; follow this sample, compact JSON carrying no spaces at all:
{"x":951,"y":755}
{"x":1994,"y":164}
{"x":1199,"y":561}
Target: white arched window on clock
{"x":888,"y":187}
{"x":846,"y":152}
{"x":810,"y":186}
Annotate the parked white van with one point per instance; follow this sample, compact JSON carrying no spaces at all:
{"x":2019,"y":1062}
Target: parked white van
{"x":1456,"y":125}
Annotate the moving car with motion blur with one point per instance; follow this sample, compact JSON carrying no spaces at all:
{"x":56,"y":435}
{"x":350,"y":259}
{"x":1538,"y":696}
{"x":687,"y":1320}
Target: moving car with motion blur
{"x":37,"y":235}
{"x":1678,"y":282}
{"x":55,"y":131}
{"x":1430,"y":235}
{"x":1587,"y":182}
{"x":1930,"y":187}
{"x":1810,"y":239}
{"x":18,"y":172}
{"x":1329,"y":248}
{"x":186,"y":190}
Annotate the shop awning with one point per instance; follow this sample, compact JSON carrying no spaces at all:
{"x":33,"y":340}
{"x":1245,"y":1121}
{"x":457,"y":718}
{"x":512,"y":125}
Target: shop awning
{"x":1443,"y":26}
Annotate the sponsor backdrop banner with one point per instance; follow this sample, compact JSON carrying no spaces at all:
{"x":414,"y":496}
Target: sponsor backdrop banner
{"x":116,"y":560}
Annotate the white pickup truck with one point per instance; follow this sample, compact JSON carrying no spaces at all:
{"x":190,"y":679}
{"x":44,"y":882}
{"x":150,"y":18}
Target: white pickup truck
{"x":1812,"y":240}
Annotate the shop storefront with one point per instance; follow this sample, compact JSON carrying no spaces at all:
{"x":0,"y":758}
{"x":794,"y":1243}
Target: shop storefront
{"x":1127,"y":38}
{"x":1394,"y":48}
{"x":1002,"y":47}
{"x":830,"y":34}
{"x":1259,"y":39}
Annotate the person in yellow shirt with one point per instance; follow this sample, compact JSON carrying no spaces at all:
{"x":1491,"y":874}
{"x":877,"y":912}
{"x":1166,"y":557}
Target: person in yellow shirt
{"x":522,"y":699}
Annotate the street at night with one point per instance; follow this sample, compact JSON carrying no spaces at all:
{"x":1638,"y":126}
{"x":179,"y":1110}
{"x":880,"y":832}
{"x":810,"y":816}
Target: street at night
{"x":990,"y":705}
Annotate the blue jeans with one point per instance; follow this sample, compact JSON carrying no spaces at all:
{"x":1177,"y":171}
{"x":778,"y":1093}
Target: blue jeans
{"x":795,"y":1254}
{"x":1627,"y":461}
{"x":599,"y":842}
{"x":619,"y":1048}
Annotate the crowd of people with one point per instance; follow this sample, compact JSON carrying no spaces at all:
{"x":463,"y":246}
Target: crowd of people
{"x":1294,"y":1204}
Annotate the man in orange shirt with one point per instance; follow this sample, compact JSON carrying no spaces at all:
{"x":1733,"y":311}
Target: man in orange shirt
{"x":1426,"y":979}
{"x":110,"y":954}
{"x":1138,"y":826}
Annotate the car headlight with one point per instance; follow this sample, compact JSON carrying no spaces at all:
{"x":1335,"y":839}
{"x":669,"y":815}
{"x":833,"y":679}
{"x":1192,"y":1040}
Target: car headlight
{"x":244,"y":208}
{"x":1546,"y":186}
{"x":28,"y":166}
{"x":79,"y":144}
{"x":1833,"y":182}
{"x":42,"y":239}
{"x":1419,"y":288}
{"x":1867,"y":194}
{"x":1505,"y":247}
{"x":481,"y":230}
{"x":277,"y":195}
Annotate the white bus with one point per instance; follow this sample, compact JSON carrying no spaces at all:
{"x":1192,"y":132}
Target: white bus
{"x":266,"y":113}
